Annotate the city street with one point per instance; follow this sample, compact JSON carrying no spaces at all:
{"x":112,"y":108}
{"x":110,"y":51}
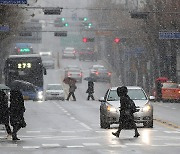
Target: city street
{"x":73,"y":126}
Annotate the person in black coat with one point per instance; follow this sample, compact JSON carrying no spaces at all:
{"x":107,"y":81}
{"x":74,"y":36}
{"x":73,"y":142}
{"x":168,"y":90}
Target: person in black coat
{"x":4,"y":111}
{"x":90,"y":90}
{"x":126,"y":118}
{"x":17,"y":110}
{"x":72,"y":88}
{"x":159,"y":90}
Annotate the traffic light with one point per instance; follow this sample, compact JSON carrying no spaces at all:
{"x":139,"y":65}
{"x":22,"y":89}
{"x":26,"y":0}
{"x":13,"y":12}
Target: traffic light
{"x":62,"y":19}
{"x":85,"y":39}
{"x":85,"y":19}
{"x":89,"y":24}
{"x":117,"y":40}
{"x":89,"y":39}
{"x":66,"y":24}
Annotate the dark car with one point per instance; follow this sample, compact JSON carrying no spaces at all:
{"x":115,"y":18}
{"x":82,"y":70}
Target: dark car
{"x":87,"y":54}
{"x":74,"y":72}
{"x":99,"y":72}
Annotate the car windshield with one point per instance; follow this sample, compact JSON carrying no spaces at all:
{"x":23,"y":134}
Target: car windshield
{"x":69,"y":50}
{"x":134,"y":94}
{"x":46,"y":58}
{"x":54,"y":87}
{"x":170,"y":85}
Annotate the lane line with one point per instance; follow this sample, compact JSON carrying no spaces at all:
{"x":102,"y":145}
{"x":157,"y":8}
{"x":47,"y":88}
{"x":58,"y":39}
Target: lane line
{"x":86,"y":126}
{"x":91,"y":144}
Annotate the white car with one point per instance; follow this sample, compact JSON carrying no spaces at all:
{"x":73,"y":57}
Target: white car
{"x":110,"y":103}
{"x":69,"y":53}
{"x":48,"y":61}
{"x":54,"y":91}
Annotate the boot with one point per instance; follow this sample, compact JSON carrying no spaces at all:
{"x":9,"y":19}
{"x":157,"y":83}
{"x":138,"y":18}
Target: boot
{"x":14,"y":137}
{"x":116,"y":134}
{"x":136,"y":134}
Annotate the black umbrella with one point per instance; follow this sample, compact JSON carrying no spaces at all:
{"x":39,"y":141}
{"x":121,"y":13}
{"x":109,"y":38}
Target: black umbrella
{"x":69,"y":80}
{"x":89,"y":78}
{"x":4,"y":87}
{"x":22,"y":85}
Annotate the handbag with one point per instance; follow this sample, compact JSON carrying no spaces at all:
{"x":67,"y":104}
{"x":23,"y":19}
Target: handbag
{"x":23,"y":123}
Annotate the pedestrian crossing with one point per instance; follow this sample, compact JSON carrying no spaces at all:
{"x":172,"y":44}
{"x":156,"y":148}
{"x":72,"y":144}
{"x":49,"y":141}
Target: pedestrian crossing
{"x":72,"y":139}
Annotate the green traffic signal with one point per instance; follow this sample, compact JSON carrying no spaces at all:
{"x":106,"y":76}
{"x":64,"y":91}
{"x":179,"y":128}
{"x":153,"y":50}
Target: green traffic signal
{"x":85,"y":18}
{"x":66,"y":24}
{"x":63,"y":19}
{"x":89,"y":24}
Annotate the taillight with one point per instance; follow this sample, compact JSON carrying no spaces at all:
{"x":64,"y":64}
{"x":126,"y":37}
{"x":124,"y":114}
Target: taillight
{"x":80,"y":74}
{"x":97,"y":73}
{"x":109,"y":73}
{"x":69,"y":74}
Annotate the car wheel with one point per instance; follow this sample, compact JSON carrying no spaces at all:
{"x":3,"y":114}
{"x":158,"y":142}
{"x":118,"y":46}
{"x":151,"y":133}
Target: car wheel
{"x":103,"y":123}
{"x":148,"y":124}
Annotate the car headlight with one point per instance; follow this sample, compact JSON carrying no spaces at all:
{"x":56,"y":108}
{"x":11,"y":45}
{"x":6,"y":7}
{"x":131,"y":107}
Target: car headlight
{"x":111,"y":109}
{"x":40,"y":94}
{"x":146,"y":108}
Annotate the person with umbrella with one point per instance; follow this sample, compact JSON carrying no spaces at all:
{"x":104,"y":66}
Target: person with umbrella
{"x":90,"y":90}
{"x":4,"y":112}
{"x":17,"y":110}
{"x":72,"y":88}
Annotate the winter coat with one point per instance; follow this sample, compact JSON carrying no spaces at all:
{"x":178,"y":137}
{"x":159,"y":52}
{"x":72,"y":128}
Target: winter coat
{"x":72,"y":88}
{"x":90,"y":89}
{"x":4,"y":110}
{"x":17,"y":108}
{"x":126,"y":117}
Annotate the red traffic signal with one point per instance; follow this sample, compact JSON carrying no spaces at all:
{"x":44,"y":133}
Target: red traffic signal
{"x":85,"y":39}
{"x":117,"y":40}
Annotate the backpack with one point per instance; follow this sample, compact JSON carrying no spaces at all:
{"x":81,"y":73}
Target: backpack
{"x":131,"y":106}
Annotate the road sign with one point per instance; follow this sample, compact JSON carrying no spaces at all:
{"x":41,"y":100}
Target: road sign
{"x":60,"y":33}
{"x":13,"y":1}
{"x":30,"y":33}
{"x":52,"y":11}
{"x":169,"y":35}
{"x":4,"y":28}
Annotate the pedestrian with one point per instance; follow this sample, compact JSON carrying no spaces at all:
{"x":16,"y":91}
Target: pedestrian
{"x":4,"y":112}
{"x":126,"y":118}
{"x":159,"y":91}
{"x":17,"y":110}
{"x":72,"y":88}
{"x":90,"y":90}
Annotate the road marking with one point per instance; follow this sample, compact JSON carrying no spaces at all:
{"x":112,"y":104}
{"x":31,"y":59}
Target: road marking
{"x":31,"y":147}
{"x":86,"y":126}
{"x":50,"y":145}
{"x":173,"y":132}
{"x":33,"y":131}
{"x":133,"y":144}
{"x":68,"y":131}
{"x":75,"y":146}
{"x":115,"y":145}
{"x":72,"y":118}
{"x":91,"y":144}
{"x":9,"y":145}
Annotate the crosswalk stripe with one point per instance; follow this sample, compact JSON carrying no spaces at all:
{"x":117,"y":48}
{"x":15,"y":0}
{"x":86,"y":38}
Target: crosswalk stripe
{"x":75,"y":146}
{"x":91,"y":144}
{"x":31,"y":147}
{"x":50,"y":145}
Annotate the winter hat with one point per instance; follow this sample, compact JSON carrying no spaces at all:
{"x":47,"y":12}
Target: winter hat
{"x":122,"y":91}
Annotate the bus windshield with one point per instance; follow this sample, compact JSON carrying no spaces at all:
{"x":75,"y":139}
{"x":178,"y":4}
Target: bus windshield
{"x":24,"y":68}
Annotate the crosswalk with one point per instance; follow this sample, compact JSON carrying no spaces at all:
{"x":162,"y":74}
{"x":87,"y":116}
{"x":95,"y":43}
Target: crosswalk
{"x":72,"y":139}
